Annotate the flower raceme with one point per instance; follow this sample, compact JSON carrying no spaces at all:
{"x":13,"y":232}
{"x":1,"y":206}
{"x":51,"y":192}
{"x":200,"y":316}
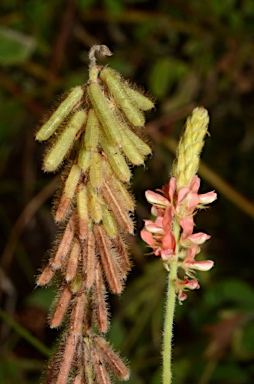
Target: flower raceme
{"x":170,"y":205}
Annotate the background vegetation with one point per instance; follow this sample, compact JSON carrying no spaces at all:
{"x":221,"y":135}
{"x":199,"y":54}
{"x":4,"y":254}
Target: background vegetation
{"x":186,"y":54}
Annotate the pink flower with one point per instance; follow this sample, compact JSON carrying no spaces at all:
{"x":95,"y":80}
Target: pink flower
{"x":156,"y":199}
{"x":170,"y":206}
{"x":194,"y":239}
{"x":204,"y":265}
{"x":182,"y":285}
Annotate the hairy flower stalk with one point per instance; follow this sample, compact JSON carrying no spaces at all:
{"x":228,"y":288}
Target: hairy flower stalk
{"x":171,"y":235}
{"x":97,"y":128}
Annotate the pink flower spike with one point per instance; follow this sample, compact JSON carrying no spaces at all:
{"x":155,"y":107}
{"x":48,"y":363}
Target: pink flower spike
{"x":156,"y":199}
{"x":207,"y":198}
{"x":196,"y":238}
{"x":205,"y":265}
{"x":147,"y":237}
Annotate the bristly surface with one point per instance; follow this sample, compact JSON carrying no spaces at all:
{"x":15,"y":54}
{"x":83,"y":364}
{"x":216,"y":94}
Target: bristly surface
{"x":96,"y":127}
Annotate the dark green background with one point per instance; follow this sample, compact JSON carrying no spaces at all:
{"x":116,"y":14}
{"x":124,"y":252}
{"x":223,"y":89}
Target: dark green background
{"x":185,"y":53}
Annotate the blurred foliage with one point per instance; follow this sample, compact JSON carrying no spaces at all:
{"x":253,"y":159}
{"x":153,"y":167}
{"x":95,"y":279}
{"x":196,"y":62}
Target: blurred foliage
{"x":185,"y":54}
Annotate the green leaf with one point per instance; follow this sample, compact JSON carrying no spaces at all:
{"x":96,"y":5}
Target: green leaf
{"x":41,"y":298}
{"x":164,"y":73}
{"x":114,"y":6}
{"x":248,"y":339}
{"x":230,"y":373}
{"x":231,"y":291}
{"x":15,"y":47}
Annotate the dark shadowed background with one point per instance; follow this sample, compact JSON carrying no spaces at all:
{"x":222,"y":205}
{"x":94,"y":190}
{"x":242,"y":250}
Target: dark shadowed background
{"x":184,"y":54}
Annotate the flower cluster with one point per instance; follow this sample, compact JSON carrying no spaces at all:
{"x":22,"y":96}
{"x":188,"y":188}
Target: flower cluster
{"x":170,"y":206}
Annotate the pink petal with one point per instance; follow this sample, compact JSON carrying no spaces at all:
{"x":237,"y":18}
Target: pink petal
{"x":205,"y":265}
{"x":195,"y":184}
{"x":193,"y":201}
{"x":207,"y":198}
{"x":168,"y":218}
{"x":195,"y":238}
{"x":191,"y":253}
{"x":153,"y":228}
{"x":166,"y":254}
{"x":168,"y":241}
{"x":156,"y":199}
{"x":159,"y":221}
{"x":187,"y":225}
{"x":191,"y":284}
{"x":154,"y":211}
{"x":147,"y":237}
{"x":182,"y":296}
{"x":182,"y":195}
{"x":172,"y":189}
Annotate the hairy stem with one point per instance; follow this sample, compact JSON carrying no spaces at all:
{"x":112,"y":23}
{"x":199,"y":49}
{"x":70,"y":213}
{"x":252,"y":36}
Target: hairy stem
{"x":170,"y":309}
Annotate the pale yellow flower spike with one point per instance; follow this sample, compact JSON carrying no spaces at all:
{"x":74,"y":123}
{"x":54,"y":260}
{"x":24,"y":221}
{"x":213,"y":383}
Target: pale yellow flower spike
{"x":190,"y":147}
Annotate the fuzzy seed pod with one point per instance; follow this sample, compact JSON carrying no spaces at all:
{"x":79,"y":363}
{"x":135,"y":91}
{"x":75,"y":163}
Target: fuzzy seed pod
{"x":104,"y":113}
{"x":141,"y":101}
{"x":117,"y":207}
{"x":95,"y":208}
{"x":61,"y":308}
{"x":84,"y":159}
{"x":116,"y":160}
{"x":99,"y":300}
{"x":62,"y":145}
{"x":118,"y":187}
{"x":140,"y":145}
{"x":108,"y":259}
{"x":113,"y":81}
{"x":130,"y":150}
{"x":109,"y":223}
{"x":89,"y":260}
{"x":68,"y":192}
{"x":46,"y":275}
{"x":64,"y":245}
{"x":91,"y":137}
{"x":96,"y":178}
{"x":82,"y":210}
{"x":47,"y":130}
{"x":73,"y":261}
{"x":110,"y":357}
